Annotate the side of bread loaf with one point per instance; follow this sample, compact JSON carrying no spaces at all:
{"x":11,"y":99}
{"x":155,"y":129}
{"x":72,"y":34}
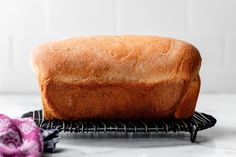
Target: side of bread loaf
{"x":118,"y":77}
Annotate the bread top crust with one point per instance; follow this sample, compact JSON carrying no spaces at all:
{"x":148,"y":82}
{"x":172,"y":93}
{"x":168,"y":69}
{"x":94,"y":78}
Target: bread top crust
{"x":109,"y":59}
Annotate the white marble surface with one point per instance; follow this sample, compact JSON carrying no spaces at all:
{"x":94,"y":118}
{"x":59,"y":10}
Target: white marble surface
{"x":217,"y":141}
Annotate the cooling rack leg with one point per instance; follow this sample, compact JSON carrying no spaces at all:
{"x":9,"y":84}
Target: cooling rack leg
{"x":193,"y":133}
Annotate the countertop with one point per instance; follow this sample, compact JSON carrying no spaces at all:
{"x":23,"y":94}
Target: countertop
{"x":217,"y":141}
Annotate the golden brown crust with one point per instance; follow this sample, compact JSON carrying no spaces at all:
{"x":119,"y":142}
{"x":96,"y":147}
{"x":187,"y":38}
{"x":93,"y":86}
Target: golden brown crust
{"x":118,"y":77}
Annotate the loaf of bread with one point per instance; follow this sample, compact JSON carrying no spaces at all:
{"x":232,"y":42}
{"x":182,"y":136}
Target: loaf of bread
{"x":117,"y":77}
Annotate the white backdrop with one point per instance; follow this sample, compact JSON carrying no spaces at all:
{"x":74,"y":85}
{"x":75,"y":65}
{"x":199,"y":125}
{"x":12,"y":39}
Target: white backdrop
{"x":208,"y":24}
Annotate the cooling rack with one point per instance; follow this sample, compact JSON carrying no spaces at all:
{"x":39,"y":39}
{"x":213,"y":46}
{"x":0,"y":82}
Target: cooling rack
{"x":199,"y":121}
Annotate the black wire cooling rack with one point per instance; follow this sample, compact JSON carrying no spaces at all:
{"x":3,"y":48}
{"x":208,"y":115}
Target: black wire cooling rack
{"x":199,"y":121}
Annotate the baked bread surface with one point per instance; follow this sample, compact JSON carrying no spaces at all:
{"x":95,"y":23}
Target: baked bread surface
{"x":117,"y":77}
